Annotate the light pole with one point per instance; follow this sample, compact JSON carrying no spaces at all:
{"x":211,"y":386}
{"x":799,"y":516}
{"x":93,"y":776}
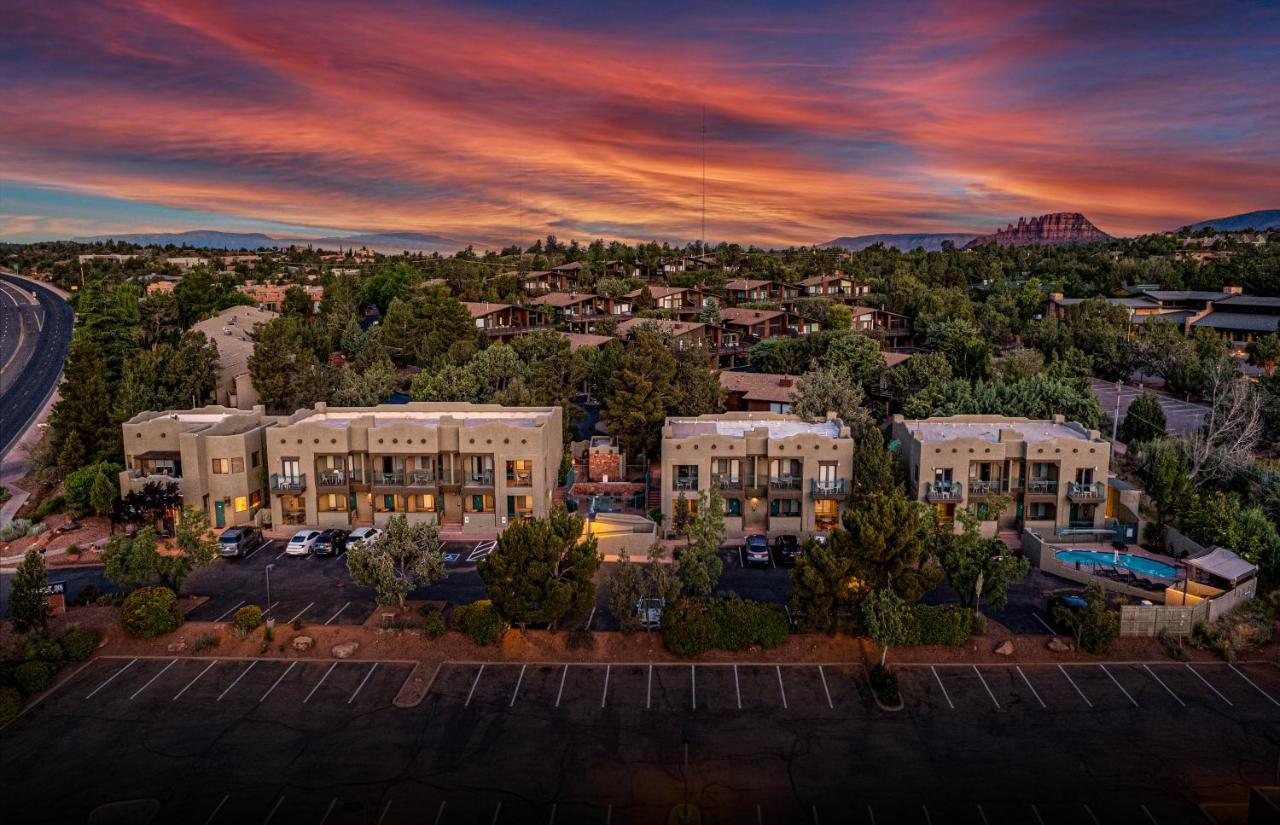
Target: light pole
{"x":268,"y":570}
{"x":1115,"y":418}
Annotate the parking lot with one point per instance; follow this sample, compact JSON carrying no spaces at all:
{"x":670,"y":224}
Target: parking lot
{"x":229,"y":741}
{"x":1180,"y":416}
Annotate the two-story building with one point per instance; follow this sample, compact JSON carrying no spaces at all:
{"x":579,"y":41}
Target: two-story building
{"x":740,"y":291}
{"x":683,"y":301}
{"x":837,"y":287}
{"x":778,"y":474}
{"x":503,"y":321}
{"x":579,"y":311}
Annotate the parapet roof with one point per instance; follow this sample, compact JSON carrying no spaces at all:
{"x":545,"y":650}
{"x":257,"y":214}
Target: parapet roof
{"x":737,"y":426}
{"x":426,"y":415}
{"x":988,"y":428}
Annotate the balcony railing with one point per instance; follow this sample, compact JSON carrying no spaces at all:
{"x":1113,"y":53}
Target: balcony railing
{"x":1042,"y":486}
{"x":1091,"y":491}
{"x":140,"y":474}
{"x":388,"y":479}
{"x":985,"y":487}
{"x":288,"y":484}
{"x":678,"y":483}
{"x":420,"y":478}
{"x":784,"y":483}
{"x":755,"y":484}
{"x":482,"y":478}
{"x":834,"y":488}
{"x":728,"y":482}
{"x":520,"y":479}
{"x":331,"y":478}
{"x":944,"y":491}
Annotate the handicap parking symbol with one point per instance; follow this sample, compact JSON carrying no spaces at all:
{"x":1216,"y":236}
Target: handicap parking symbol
{"x":452,"y":558}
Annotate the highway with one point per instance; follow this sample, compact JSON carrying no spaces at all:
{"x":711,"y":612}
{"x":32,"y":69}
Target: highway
{"x":35,"y":333}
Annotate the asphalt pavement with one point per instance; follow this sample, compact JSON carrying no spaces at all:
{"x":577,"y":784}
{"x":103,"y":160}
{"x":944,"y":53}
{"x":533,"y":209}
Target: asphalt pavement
{"x":34,"y":339}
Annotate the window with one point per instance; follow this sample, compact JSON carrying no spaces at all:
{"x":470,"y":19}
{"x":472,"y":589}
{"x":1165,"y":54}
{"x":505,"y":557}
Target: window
{"x":784,"y":507}
{"x":826,"y":514}
{"x":775,"y":407}
{"x":220,"y":466}
{"x":332,"y":503}
{"x":520,"y":473}
{"x":255,"y":499}
{"x":519,"y":506}
{"x":686,"y":477}
{"x":479,"y":503}
{"x":253,"y":459}
{"x":242,"y":503}
{"x":422,"y":503}
{"x":237,"y":465}
{"x":388,"y":503}
{"x":1043,"y":511}
{"x":733,"y":507}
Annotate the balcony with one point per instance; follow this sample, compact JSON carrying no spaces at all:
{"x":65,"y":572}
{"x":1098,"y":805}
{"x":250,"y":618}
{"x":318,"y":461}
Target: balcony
{"x":1082,"y":492}
{"x":944,"y":491}
{"x":684,"y":483}
{"x":728,"y":482}
{"x":985,"y":487}
{"x":482,"y":478}
{"x":755,"y":485}
{"x":420,"y":478}
{"x":785,"y":484}
{"x":331,"y":478}
{"x":520,"y":479}
{"x":1042,"y":486}
{"x":835,"y":488}
{"x":288,"y":484}
{"x":388,"y":479}
{"x":449,"y":477}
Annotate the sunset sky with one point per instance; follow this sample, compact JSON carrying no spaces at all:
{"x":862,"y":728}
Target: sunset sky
{"x":501,"y":121}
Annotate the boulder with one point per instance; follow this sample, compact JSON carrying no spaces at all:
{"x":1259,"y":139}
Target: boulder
{"x":1005,"y":648}
{"x":177,"y":647}
{"x":345,"y":650}
{"x":1059,"y":646}
{"x":303,"y":643}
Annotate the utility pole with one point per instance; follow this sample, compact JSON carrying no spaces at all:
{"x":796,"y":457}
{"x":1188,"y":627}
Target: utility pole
{"x":269,"y":566}
{"x":1115,"y":417}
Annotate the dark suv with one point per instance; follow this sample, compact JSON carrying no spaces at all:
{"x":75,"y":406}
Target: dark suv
{"x":786,"y":549}
{"x":239,"y":541}
{"x":331,"y":542}
{"x":756,"y":551}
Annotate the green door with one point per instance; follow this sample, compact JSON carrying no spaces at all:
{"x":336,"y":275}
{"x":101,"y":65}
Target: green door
{"x":219,"y":514}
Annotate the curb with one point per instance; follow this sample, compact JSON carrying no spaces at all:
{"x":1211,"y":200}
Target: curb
{"x":426,"y":690}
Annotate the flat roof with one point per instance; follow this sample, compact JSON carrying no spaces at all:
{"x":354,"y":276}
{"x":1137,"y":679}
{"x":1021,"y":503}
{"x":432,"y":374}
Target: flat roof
{"x":739,"y":427}
{"x":1239,"y":320}
{"x":514,"y":417}
{"x":936,"y":431}
{"x":1249,"y":301}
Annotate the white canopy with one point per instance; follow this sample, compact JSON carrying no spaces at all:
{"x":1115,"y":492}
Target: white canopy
{"x":1224,"y":564}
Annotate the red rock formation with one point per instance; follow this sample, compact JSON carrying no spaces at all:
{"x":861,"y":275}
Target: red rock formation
{"x":1054,"y":228}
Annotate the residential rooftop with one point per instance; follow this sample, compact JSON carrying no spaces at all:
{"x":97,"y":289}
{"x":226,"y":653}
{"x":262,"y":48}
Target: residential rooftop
{"x":990,"y":427}
{"x":426,"y":414}
{"x":738,"y":425}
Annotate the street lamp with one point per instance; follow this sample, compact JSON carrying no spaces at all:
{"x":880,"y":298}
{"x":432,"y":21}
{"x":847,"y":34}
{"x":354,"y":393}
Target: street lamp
{"x":268,"y":571}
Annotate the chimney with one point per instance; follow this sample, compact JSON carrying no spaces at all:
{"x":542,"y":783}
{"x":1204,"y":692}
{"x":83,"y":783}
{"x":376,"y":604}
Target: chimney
{"x":786,"y":381}
{"x":1232,"y":290}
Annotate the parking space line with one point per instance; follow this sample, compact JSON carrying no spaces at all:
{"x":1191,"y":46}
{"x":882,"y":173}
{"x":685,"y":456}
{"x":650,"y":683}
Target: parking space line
{"x":648,"y":688}
{"x":1153,"y":675}
{"x":737,"y":688}
{"x":983,"y":814}
{"x":552,"y":819}
{"x":274,"y":808}
{"x":1117,"y":684}
{"x":608,"y":814}
{"x":193,"y":681}
{"x":825,"y":689}
{"x":1092,"y":818}
{"x":319,"y":683}
{"x":237,"y":681}
{"x":270,"y":607}
{"x":759,"y":816}
{"x":560,"y":692}
{"x":152,"y":679}
{"x":1044,"y":624}
{"x":291,"y":666}
{"x":693,"y":685}
{"x":1036,"y":811}
{"x":814,"y":810}
{"x":1030,"y":687}
{"x":385,"y":808}
{"x":1074,"y":685}
{"x":496,"y":812}
{"x":360,"y":686}
{"x":256,"y":549}
{"x":216,"y":809}
{"x":1150,"y":815}
{"x":472,"y":691}
{"x":928,"y":820}
{"x":988,"y":687}
{"x":782,"y":690}
{"x":439,"y":814}
{"x":945,"y":695}
{"x":282,"y":552}
{"x":1208,"y":685}
{"x":604,"y":694}
{"x":1255,"y":685}
{"x":333,"y":802}
{"x":237,"y":606}
{"x":339,"y":613}
{"x":300,"y":612}
{"x":110,"y":678}
{"x":871,"y":814}
{"x":516,"y":692}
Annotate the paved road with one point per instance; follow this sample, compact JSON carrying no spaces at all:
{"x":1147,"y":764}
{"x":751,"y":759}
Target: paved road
{"x":34,"y":337}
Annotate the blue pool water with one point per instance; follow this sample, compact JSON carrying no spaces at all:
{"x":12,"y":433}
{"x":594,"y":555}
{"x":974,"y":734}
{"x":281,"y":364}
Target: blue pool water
{"x":1138,"y":564}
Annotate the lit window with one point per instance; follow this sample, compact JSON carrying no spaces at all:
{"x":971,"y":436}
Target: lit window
{"x":242,"y":503}
{"x":219,"y":466}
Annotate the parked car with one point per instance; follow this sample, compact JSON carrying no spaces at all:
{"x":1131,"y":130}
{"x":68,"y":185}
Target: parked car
{"x":1068,"y":601}
{"x":331,"y":541}
{"x":756,"y":551}
{"x":786,"y":549}
{"x":360,"y":535}
{"x":303,"y":543}
{"x":239,"y":541}
{"x":649,"y":613}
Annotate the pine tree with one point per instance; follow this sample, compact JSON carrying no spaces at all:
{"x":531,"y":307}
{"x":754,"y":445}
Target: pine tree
{"x":28,"y":605}
{"x":643,"y":391}
{"x":1144,"y":421}
{"x":80,"y":423}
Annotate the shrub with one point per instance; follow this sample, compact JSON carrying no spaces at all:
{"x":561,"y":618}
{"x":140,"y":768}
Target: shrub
{"x":74,"y":550}
{"x":15,"y":529}
{"x":298,"y":624}
{"x":79,"y":643}
{"x":86,"y":596}
{"x":10,"y":705}
{"x":203,"y":642}
{"x":51,"y":505}
{"x":479,"y":620}
{"x":33,"y":677}
{"x":885,"y":683}
{"x":688,"y":627}
{"x":948,"y":625}
{"x":434,"y":626}
{"x":37,"y":529}
{"x":1173,"y":647}
{"x":150,"y":611}
{"x":43,"y":650}
{"x":247,"y":620}
{"x":268,"y":635}
{"x":111,"y":600}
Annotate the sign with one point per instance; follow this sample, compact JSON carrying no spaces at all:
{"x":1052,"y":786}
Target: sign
{"x":56,"y":594}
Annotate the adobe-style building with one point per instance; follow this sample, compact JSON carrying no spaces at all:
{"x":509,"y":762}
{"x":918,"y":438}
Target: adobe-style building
{"x":778,"y":474}
{"x":471,"y":468}
{"x":1055,"y":471}
{"x":270,"y":297}
{"x":231,"y":331}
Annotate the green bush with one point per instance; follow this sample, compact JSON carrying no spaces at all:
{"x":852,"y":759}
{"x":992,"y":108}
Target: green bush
{"x":434,"y":627}
{"x":51,"y":505}
{"x":43,"y":650}
{"x":79,"y":643}
{"x":10,"y":705}
{"x":885,"y":683}
{"x":740,"y":624}
{"x":979,"y":627}
{"x":15,"y":529}
{"x":479,"y":620}
{"x":688,"y":627}
{"x":74,"y":550}
{"x":33,"y":677}
{"x":150,"y":611}
{"x":203,"y":642}
{"x":89,"y":595}
{"x":948,"y":625}
{"x":247,"y":619}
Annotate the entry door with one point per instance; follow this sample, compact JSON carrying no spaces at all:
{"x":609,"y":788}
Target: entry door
{"x":453,"y":508}
{"x":219,"y":514}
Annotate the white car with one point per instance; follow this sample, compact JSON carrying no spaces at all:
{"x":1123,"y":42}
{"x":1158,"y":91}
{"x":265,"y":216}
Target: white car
{"x":362,"y":535}
{"x":302,"y":543}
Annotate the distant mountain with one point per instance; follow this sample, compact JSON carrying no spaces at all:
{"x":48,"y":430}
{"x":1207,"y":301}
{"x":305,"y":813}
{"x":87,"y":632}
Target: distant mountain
{"x":214,"y":239}
{"x":1044,"y":230}
{"x":1261,"y":219}
{"x":932,"y":242}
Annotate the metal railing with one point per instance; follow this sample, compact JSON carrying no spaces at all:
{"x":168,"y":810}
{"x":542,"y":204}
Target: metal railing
{"x":288,"y":484}
{"x":727,"y":481}
{"x":944,"y":491}
{"x":388,"y":479}
{"x":785,"y":483}
{"x":983,"y":487}
{"x":331,"y":478}
{"x":520,"y":479}
{"x":421,"y":478}
{"x":483,"y":478}
{"x":688,"y":483}
{"x":1087,"y":491}
{"x":1042,"y":486}
{"x":827,"y":489}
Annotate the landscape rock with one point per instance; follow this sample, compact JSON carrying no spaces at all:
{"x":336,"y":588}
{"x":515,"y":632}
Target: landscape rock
{"x":303,"y":643}
{"x":177,"y":647}
{"x":345,"y":650}
{"x":1059,"y":646}
{"x":1005,"y":648}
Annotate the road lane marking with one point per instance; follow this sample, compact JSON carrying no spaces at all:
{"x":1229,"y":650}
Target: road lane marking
{"x":300,"y":612}
{"x":827,"y":690}
{"x":472,"y":692}
{"x":275,"y":808}
{"x":1030,"y":686}
{"x":604,"y":694}
{"x":360,"y":687}
{"x":333,"y":802}
{"x":319,"y":683}
{"x":516,"y":692}
{"x":339,"y":613}
{"x":945,"y":695}
{"x":237,"y":681}
{"x":193,"y":681}
{"x":439,"y":814}
{"x":648,"y":688}
{"x":736,"y":687}
{"x":1117,"y":684}
{"x":213,"y":815}
{"x":110,"y":678}
{"x":1153,"y":675}
{"x":985,"y":685}
{"x":1074,"y":685}
{"x":559,"y":692}
{"x":1240,"y":673}
{"x":291,"y":666}
{"x":693,"y":685}
{"x":232,"y":610}
{"x":781,"y":689}
{"x":152,"y":679}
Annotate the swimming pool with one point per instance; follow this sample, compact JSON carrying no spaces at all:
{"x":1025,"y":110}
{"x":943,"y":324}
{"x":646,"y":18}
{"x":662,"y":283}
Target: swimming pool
{"x":1102,"y":558}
